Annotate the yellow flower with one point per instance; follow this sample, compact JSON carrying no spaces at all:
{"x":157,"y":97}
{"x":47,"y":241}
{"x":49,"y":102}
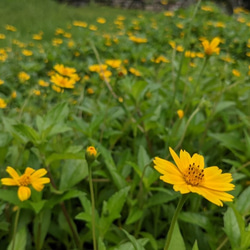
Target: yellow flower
{"x":236,"y":72}
{"x":160,"y":59}
{"x":169,"y":13}
{"x":57,"y":89}
{"x":57,"y":41}
{"x":138,"y":39}
{"x":211,"y":47}
{"x":90,"y":154}
{"x":191,"y":176}
{"x":10,"y":28}
{"x":30,"y":177}
{"x":101,"y":20}
{"x":2,"y":36}
{"x":27,"y":52}
{"x":98,"y":67}
{"x":1,"y":81}
{"x":93,"y":27}
{"x":13,"y":95}
{"x":90,"y":91}
{"x":180,"y":113}
{"x":63,"y":82}
{"x":36,"y":92}
{"x":23,"y":76}
{"x":134,"y":71}
{"x":3,"y":104}
{"x":207,"y":8}
{"x":80,"y":24}
{"x":43,"y":83}
{"x":114,"y":63}
{"x":37,"y":37}
{"x":65,"y":71}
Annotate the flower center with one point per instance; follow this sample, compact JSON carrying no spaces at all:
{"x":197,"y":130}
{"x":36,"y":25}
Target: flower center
{"x":194,"y":175}
{"x":24,"y":180}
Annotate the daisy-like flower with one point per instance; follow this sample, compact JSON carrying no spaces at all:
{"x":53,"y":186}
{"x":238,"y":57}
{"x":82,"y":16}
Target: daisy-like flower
{"x":212,"y":47}
{"x":30,"y":177}
{"x":191,"y":176}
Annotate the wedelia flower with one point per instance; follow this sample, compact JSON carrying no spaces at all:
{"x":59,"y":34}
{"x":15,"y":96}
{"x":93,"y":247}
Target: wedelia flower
{"x":212,"y":47}
{"x":30,"y":177}
{"x":190,"y":176}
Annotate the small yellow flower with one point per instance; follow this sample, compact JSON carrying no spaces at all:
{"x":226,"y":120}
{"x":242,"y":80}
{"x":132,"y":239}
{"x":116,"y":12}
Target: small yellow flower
{"x":180,"y":113}
{"x":2,"y":36}
{"x":10,"y":28}
{"x":43,"y":83}
{"x":134,"y":71}
{"x":27,"y":52}
{"x":63,"y":82}
{"x":190,"y":176}
{"x":93,"y":27}
{"x":90,"y":154}
{"x":57,"y":41}
{"x":80,"y":24}
{"x":114,"y":63}
{"x":1,"y":81}
{"x":207,"y":8}
{"x":138,"y":39}
{"x":13,"y":95}
{"x":90,"y":91}
{"x":169,"y":13}
{"x":23,"y":76}
{"x":101,"y":20}
{"x":236,"y":72}
{"x":3,"y":104}
{"x":211,"y":47}
{"x":36,"y":92}
{"x":30,"y":177}
{"x":65,"y":71}
{"x":57,"y":89}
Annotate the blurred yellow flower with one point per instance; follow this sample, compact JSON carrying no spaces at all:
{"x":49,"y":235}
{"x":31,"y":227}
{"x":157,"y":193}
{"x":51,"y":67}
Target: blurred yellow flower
{"x":37,"y":37}
{"x":114,"y":63}
{"x":3,"y":104}
{"x":90,"y":91}
{"x":138,"y":39}
{"x":160,"y":59}
{"x":57,"y":89}
{"x":93,"y":27}
{"x":101,"y":20}
{"x":169,"y":13}
{"x":13,"y":95}
{"x":57,"y":41}
{"x":80,"y":24}
{"x":1,"y":81}
{"x":65,"y":71}
{"x":207,"y":8}
{"x":63,"y":82}
{"x":236,"y":72}
{"x":180,"y":113}
{"x":23,"y":76}
{"x":36,"y":92}
{"x":10,"y":28}
{"x":43,"y":83}
{"x":27,"y":52}
{"x":2,"y":36}
{"x":134,"y":71}
{"x":31,"y":177}
{"x":98,"y":67}
{"x":190,"y":176}
{"x":212,"y":47}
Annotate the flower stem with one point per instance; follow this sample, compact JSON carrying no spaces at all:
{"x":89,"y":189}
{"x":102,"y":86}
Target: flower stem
{"x":93,"y":207}
{"x":174,"y":219}
{"x":15,"y":228}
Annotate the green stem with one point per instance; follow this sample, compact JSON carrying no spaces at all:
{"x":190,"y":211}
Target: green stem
{"x":177,"y":211}
{"x":196,"y":88}
{"x":93,"y":207}
{"x":15,"y":228}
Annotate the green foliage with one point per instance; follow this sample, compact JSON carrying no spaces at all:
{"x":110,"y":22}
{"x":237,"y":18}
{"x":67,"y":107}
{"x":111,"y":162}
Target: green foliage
{"x":129,"y":116}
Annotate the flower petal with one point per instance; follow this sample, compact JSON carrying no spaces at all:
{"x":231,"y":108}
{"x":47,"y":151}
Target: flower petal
{"x":9,"y":182}
{"x":38,"y":185}
{"x":215,"y":42}
{"x":165,"y":167}
{"x":182,"y":188}
{"x":178,"y":161}
{"x":173,"y":179}
{"x":198,"y":160}
{"x":23,"y":193}
{"x":12,"y":172}
{"x":29,"y":171}
{"x":37,"y":174}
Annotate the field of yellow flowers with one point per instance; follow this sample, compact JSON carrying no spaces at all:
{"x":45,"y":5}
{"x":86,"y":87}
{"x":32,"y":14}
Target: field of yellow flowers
{"x":128,"y":131}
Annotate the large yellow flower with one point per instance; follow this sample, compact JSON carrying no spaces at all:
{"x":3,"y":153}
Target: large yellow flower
{"x":212,"y":47}
{"x":191,"y":176}
{"x":30,"y":177}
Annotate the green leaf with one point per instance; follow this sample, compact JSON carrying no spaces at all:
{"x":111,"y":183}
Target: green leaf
{"x":177,"y":241}
{"x":134,"y":215}
{"x":73,"y":171}
{"x":136,"y":244}
{"x":63,"y":156}
{"x":109,"y":162}
{"x":195,"y":246}
{"x":57,"y":114}
{"x":41,"y":227}
{"x":20,"y":240}
{"x":111,"y":210}
{"x":151,"y":239}
{"x":243,"y":202}
{"x":29,"y":133}
{"x":37,"y":206}
{"x":4,"y":139}
{"x":232,"y":228}
{"x":223,"y":105}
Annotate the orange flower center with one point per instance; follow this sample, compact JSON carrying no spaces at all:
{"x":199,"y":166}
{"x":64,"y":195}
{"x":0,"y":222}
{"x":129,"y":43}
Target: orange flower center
{"x":24,"y":180}
{"x":194,"y":175}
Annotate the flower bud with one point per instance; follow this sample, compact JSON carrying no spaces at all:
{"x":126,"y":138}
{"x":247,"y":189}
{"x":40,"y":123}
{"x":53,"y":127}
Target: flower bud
{"x":90,"y":154}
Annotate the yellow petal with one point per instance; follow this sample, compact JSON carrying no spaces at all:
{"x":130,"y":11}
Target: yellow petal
{"x":165,"y":167}
{"x":29,"y":171}
{"x":215,"y":42}
{"x":37,"y":174}
{"x":173,"y":179}
{"x":38,"y":185}
{"x":177,"y":160}
{"x":183,"y":189}
{"x":198,"y":160}
{"x":12,"y":172}
{"x":24,"y":193}
{"x":9,"y":182}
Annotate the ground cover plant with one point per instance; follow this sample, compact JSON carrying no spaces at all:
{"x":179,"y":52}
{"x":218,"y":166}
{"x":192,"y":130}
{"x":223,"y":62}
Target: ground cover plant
{"x":124,"y":129}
